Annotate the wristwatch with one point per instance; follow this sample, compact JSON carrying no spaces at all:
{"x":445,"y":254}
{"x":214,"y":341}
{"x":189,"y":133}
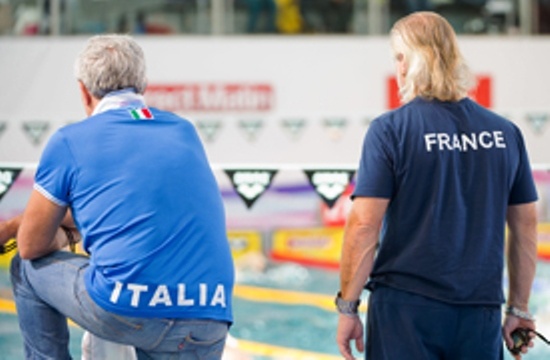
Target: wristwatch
{"x":349,"y":308}
{"x":514,"y":311}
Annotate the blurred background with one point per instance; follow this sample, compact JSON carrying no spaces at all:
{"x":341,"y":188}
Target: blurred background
{"x":229,"y":17}
{"x":281,"y":93}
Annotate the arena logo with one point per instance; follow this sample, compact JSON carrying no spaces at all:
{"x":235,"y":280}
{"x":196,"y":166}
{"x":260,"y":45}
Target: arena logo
{"x":251,"y":128}
{"x":36,"y":130}
{"x":7,"y":178}
{"x":335,"y":127}
{"x":208,"y":129}
{"x":250,"y":184}
{"x":294,"y":127}
{"x":330,"y":184}
{"x":482,"y":93}
{"x":538,"y":121}
{"x":211,"y":97}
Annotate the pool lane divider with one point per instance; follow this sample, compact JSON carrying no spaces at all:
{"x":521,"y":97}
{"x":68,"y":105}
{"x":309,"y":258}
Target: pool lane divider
{"x":279,"y":352}
{"x":249,"y":347}
{"x":286,"y":297}
{"x":7,"y":306}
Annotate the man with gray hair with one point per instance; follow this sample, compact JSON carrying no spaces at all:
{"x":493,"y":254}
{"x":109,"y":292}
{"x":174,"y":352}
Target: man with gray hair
{"x":140,"y":191}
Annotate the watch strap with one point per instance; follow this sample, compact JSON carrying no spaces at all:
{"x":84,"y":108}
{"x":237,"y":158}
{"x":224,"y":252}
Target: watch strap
{"x":514,"y":311}
{"x":346,"y":307}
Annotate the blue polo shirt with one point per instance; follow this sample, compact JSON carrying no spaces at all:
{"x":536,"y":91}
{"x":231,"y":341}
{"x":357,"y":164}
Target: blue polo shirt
{"x":450,"y":170}
{"x":149,"y":209}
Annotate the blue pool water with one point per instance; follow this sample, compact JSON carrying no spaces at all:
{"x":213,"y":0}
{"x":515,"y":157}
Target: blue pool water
{"x":314,"y":329}
{"x":297,"y":326}
{"x":302,"y":327}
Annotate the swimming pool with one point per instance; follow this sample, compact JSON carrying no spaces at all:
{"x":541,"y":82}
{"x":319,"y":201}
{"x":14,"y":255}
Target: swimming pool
{"x":286,"y":310}
{"x":283,"y":312}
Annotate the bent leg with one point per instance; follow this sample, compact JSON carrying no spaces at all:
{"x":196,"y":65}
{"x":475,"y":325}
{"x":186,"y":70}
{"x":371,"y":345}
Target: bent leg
{"x":51,"y":289}
{"x":36,"y":285}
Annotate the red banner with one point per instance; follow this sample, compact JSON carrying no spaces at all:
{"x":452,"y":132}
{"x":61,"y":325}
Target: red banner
{"x":211,"y":97}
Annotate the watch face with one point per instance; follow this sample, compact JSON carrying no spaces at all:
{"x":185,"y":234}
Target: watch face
{"x":346,"y":307}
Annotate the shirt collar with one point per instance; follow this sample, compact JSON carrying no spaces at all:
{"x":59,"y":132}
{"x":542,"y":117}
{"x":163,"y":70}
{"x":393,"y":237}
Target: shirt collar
{"x":125,"y":98}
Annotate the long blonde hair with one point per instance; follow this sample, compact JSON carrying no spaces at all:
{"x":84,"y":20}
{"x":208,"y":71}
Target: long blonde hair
{"x":435,"y":66}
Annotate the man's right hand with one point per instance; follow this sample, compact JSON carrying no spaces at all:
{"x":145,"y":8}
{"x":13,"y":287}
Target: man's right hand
{"x":8,"y":229}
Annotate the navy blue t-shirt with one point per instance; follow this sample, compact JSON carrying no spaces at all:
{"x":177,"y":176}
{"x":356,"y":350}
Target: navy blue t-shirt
{"x":450,"y":170}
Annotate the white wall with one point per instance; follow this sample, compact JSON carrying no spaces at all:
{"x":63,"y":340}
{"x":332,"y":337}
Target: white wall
{"x":310,"y":78}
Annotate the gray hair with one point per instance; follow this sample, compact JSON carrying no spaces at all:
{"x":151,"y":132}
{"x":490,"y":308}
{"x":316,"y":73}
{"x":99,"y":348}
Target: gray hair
{"x":436,"y":68}
{"x":109,"y":63}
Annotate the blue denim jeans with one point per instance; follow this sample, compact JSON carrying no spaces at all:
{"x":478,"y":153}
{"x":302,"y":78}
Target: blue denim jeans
{"x":51,"y":289}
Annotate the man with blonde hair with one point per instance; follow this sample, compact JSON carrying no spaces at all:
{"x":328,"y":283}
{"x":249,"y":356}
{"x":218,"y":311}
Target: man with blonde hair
{"x":438,"y":180}
{"x":159,"y":275}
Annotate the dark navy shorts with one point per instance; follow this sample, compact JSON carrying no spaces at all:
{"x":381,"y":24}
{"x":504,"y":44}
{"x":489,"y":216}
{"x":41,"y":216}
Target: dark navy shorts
{"x":405,"y":326}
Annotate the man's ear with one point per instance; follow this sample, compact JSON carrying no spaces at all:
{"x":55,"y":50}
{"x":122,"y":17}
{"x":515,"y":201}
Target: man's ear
{"x":403,"y":68}
{"x":87,"y":99}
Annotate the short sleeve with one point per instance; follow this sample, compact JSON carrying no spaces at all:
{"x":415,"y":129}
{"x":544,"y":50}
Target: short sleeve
{"x":375,"y":176}
{"x":56,"y":171}
{"x":523,"y":188}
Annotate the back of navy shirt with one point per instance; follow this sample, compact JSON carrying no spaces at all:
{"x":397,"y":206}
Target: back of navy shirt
{"x":450,"y":170}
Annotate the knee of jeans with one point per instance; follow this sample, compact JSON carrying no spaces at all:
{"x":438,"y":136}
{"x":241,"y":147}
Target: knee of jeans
{"x":17,"y":276}
{"x":19,"y":282}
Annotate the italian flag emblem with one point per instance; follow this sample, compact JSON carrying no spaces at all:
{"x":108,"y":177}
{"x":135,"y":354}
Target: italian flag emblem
{"x":141,"y":114}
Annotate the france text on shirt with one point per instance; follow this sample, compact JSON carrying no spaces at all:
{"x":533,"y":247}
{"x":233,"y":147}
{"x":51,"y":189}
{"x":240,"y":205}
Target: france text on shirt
{"x":464,"y":142}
